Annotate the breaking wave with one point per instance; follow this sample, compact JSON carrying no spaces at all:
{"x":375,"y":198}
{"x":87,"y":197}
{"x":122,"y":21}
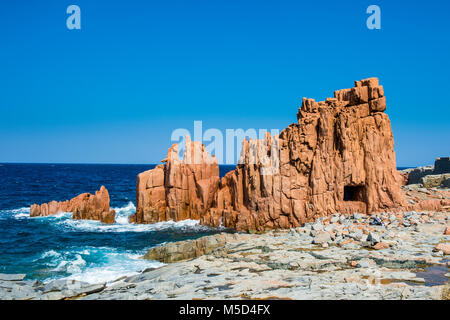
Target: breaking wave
{"x":94,"y":264}
{"x":59,"y":247}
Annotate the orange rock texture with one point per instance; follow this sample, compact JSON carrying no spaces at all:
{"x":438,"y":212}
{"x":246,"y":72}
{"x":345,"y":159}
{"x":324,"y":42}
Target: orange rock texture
{"x":180,"y":189}
{"x":83,"y":206}
{"x":339,"y":157}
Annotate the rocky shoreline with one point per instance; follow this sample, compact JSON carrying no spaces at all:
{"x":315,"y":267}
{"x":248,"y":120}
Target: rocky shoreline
{"x":389,"y":241}
{"x":357,"y":256}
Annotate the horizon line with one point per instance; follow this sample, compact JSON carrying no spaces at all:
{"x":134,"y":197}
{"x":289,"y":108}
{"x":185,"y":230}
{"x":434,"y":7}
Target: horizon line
{"x":98,"y":163}
{"x":148,"y":164}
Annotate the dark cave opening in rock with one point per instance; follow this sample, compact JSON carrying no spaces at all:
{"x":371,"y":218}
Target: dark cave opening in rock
{"x":354,"y":193}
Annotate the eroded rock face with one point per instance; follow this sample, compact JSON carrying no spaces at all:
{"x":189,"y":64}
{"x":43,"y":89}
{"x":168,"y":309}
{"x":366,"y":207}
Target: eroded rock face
{"x":181,"y":189}
{"x":339,"y":157}
{"x":83,"y":206}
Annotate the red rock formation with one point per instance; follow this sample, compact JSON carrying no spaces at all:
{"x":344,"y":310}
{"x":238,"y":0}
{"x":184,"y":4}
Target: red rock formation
{"x":83,"y":206}
{"x":180,"y":189}
{"x":338,"y":158}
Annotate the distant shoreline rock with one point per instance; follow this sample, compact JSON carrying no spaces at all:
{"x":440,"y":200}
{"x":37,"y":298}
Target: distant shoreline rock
{"x":440,"y":171}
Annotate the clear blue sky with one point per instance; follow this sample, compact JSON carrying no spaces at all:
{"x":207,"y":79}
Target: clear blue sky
{"x":114,"y":90}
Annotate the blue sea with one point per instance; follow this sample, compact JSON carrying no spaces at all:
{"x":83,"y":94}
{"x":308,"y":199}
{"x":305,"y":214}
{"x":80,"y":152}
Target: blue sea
{"x":57,"y":247}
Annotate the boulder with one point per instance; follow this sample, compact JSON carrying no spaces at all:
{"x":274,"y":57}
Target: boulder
{"x":83,"y":206}
{"x":189,"y":249}
{"x":446,"y":183}
{"x":415,"y":175}
{"x":435,"y":180}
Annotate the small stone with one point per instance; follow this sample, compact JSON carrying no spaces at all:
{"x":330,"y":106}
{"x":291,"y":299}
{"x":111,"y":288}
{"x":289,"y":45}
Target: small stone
{"x":408,"y":214}
{"x":357,"y":235}
{"x":380,"y":245}
{"x":321,"y":237}
{"x":344,"y":242}
{"x":373,"y":238}
{"x":444,"y":247}
{"x":317,"y":226}
{"x":357,"y":216}
{"x":447,"y":231}
{"x":375,"y":221}
{"x":365,"y":263}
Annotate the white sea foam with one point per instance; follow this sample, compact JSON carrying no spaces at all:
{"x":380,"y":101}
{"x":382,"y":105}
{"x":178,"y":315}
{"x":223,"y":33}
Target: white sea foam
{"x":122,"y":224}
{"x":123,"y":213}
{"x":98,"y":264}
{"x":58,"y":216}
{"x":71,"y":266}
{"x":22,"y":213}
{"x":126,"y":210}
{"x":49,"y":254}
{"x":95,"y":265}
{"x":125,"y":265}
{"x":125,"y":226}
{"x":19,"y":213}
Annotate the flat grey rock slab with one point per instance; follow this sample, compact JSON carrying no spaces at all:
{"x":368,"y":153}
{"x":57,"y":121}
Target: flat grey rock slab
{"x":12,"y":277}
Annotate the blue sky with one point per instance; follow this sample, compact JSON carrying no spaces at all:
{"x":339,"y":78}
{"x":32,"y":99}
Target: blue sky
{"x":115,"y":90}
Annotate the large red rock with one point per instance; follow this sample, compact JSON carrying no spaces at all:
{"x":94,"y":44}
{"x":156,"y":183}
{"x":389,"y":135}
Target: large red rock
{"x":181,"y":189}
{"x":83,"y":206}
{"x":339,"y":157}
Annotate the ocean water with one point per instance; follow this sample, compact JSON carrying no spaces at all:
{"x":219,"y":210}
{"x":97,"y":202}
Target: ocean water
{"x":57,"y":247}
